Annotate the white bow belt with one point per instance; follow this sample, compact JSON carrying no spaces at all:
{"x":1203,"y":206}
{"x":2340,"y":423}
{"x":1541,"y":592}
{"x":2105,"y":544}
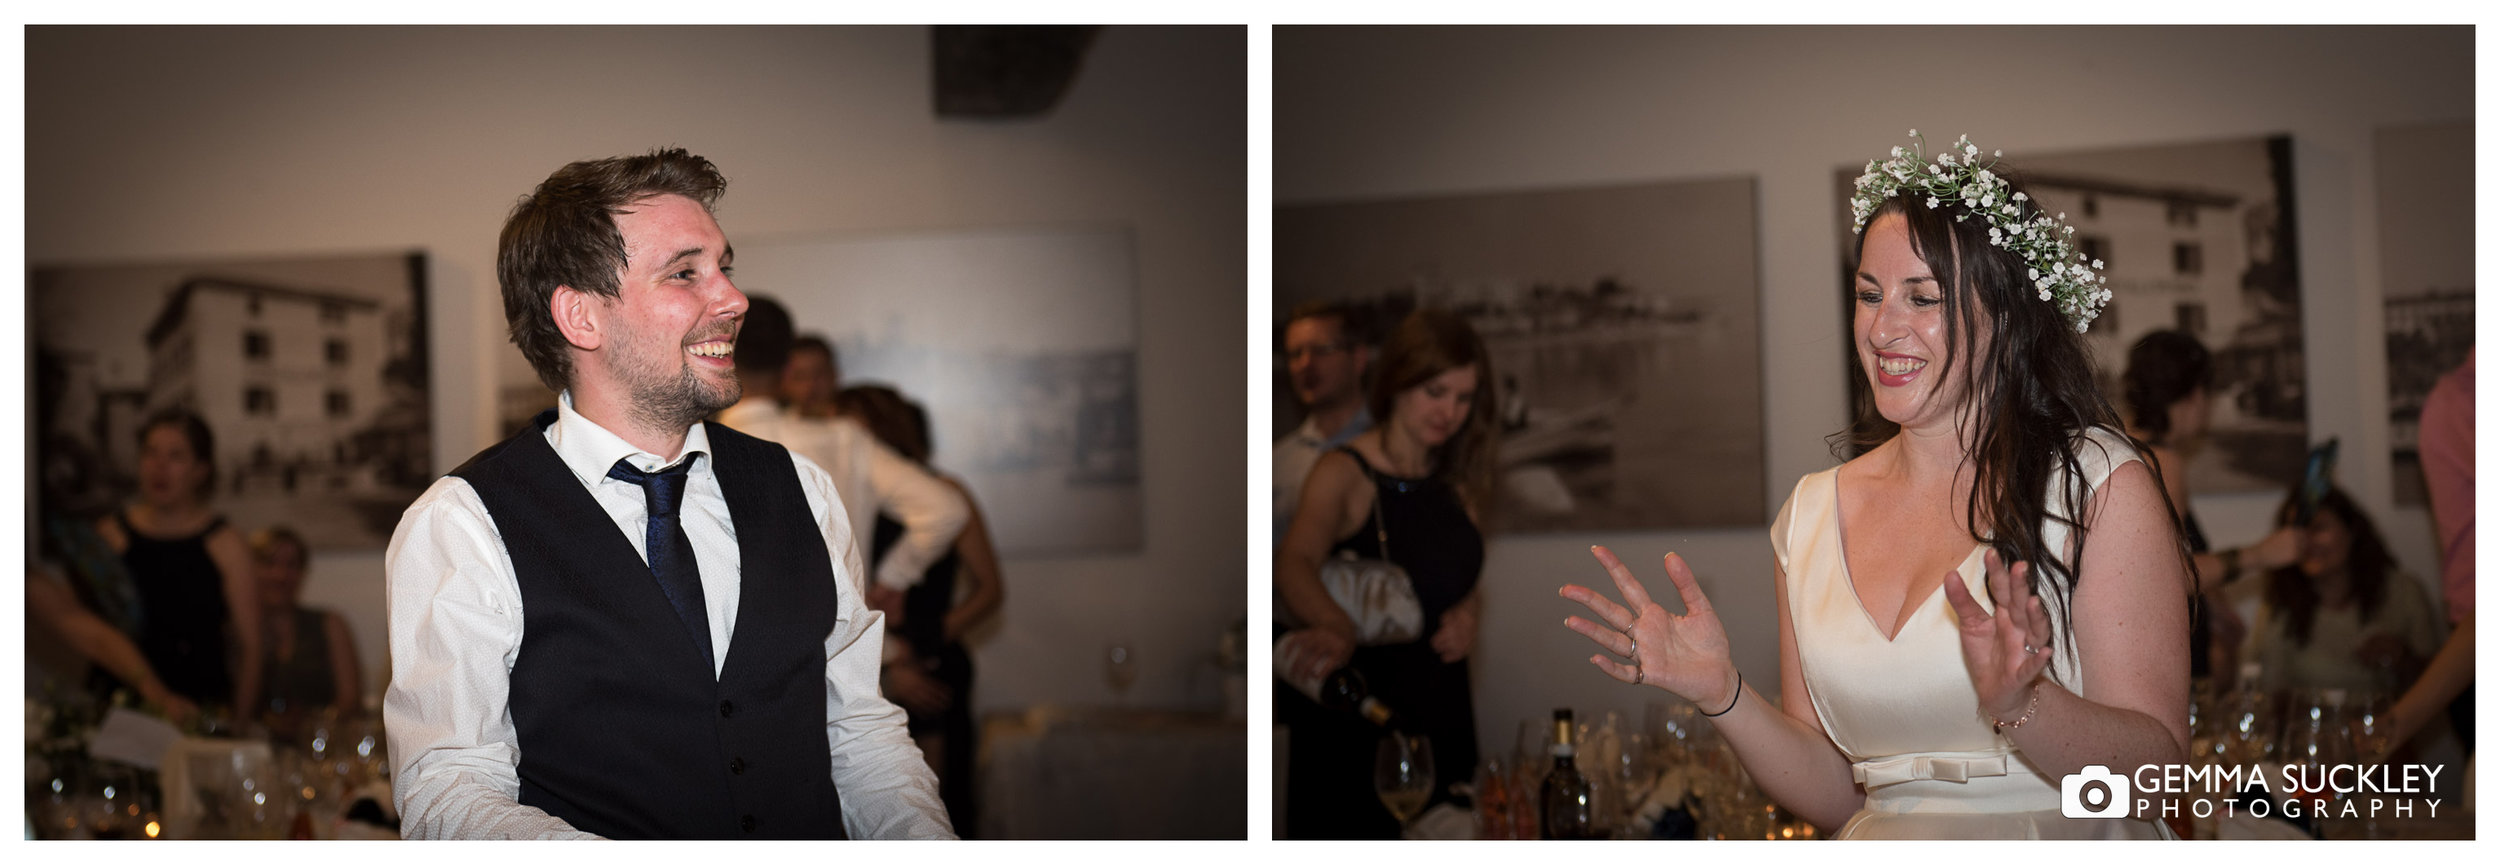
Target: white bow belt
{"x":1926,"y":767}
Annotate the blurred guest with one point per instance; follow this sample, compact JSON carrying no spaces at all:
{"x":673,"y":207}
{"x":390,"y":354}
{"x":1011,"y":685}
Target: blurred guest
{"x":1422,"y":478}
{"x":1326,"y":358}
{"x":200,"y":626}
{"x":2343,"y":616}
{"x":52,"y":602}
{"x":2447,"y":441}
{"x":2170,"y":406}
{"x":870,"y":477}
{"x":933,"y":680}
{"x":809,"y":380}
{"x":310,"y":662}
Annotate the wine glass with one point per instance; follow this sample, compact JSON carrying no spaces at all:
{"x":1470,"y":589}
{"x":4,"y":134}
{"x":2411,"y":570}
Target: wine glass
{"x":1669,"y":727}
{"x":1493,"y":802}
{"x":2314,"y":739}
{"x":2365,"y":724}
{"x":1402,"y":775}
{"x":1119,"y":667}
{"x":1635,"y":770}
{"x":2249,"y":728}
{"x":1535,"y":747}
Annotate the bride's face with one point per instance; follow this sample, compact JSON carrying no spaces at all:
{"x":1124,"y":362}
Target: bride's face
{"x":1900,"y":334}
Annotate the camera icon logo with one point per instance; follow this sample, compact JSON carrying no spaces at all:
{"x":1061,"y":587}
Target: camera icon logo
{"x":2095,"y":792}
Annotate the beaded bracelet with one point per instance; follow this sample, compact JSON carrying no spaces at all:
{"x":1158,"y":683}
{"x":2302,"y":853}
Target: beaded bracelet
{"x":2027,"y":712}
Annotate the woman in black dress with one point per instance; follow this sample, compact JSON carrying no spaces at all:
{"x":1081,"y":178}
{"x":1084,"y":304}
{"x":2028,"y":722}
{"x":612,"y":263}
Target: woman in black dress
{"x":1425,"y":471}
{"x":933,"y":680}
{"x":2169,"y":409}
{"x":200,"y":624}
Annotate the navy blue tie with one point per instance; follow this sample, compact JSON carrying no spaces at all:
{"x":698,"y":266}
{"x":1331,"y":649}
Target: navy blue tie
{"x":664,"y":542}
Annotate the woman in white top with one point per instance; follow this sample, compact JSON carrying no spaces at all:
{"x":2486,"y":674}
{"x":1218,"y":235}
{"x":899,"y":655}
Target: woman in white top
{"x":1992,"y":595}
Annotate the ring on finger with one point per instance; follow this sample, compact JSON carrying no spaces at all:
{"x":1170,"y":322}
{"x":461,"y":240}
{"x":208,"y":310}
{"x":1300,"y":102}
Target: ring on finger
{"x":2030,"y":649}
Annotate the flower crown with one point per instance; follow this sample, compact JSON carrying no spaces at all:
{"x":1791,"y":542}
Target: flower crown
{"x":2054,"y":266}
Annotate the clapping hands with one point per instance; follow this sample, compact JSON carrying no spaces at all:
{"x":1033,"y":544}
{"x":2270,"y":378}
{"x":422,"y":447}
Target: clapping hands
{"x":2007,"y":648}
{"x":1687,"y":654}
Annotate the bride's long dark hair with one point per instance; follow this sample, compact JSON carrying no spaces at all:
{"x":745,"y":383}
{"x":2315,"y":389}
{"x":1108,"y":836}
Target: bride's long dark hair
{"x":2032,"y":397}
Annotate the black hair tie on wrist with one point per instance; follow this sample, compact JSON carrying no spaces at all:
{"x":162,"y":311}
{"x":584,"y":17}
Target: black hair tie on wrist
{"x":1731,"y":704}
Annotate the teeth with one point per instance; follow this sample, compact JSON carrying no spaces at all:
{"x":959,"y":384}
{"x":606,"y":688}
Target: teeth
{"x":710,"y":349}
{"x":1900,"y":365}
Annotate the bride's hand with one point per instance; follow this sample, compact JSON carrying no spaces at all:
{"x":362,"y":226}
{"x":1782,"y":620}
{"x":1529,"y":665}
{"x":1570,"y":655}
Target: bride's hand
{"x":1686,"y":654}
{"x":2008,"y":648}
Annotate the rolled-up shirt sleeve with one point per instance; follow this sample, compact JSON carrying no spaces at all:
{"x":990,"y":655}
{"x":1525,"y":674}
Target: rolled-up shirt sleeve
{"x":455,"y":628}
{"x":887,"y":789}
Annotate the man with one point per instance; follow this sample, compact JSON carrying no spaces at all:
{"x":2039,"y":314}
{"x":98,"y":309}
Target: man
{"x":1327,"y":360}
{"x":868,"y":476}
{"x":808,"y":381}
{"x":623,"y":622}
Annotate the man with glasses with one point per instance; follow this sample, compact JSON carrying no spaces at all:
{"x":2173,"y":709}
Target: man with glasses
{"x":1326,"y":358}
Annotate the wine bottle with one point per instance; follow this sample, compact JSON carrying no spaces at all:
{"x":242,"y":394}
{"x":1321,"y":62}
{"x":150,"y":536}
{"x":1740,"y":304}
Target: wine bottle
{"x":1569,"y":814}
{"x":1342,"y":689}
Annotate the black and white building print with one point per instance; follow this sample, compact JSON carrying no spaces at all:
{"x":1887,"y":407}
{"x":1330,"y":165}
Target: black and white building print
{"x":310,"y":372}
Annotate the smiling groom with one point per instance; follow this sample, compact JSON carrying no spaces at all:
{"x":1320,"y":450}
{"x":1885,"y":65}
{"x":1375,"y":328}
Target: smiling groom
{"x":625,"y":622}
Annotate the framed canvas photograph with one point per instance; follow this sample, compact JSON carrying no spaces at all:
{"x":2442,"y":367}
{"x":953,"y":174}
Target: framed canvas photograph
{"x":1623,"y":323}
{"x":310,"y":372}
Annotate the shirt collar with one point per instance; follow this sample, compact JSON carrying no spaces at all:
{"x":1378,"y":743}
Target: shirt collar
{"x":589,"y":449}
{"x":1362,"y":420}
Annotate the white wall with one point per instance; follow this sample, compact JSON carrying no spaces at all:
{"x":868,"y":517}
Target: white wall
{"x":153,"y":143}
{"x":1383,"y":113}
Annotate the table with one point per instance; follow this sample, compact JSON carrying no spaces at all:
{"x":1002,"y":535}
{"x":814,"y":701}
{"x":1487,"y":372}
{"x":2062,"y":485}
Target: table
{"x":1053,"y":772}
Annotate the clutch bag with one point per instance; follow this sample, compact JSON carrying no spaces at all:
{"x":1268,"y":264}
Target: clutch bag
{"x":1378,"y":596}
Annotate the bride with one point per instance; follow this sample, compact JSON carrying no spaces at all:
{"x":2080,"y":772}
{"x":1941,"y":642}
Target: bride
{"x":1993,"y":594}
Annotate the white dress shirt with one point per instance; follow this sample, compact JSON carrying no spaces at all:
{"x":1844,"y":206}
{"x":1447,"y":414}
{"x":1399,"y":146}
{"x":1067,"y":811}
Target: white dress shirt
{"x":454,"y":604}
{"x":869,"y":477}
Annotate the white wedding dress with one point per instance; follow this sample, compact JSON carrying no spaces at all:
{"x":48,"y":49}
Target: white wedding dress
{"x":1903,"y":710}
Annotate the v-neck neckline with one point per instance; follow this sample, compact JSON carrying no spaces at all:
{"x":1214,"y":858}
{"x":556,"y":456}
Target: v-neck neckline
{"x":1840,"y":540}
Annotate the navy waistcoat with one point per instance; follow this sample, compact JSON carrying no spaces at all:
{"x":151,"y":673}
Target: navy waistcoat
{"x":624,"y":730}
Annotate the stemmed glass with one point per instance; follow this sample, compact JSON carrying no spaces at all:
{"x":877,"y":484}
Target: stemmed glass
{"x":2248,"y":729}
{"x":1635,"y":770}
{"x":1669,"y":727}
{"x":2315,"y":739}
{"x":1493,"y":801}
{"x":1402,"y":775}
{"x":1119,"y":667}
{"x":2365,"y":723}
{"x":1529,"y":763}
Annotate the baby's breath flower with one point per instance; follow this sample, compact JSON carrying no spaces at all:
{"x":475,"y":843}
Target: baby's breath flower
{"x":2052,"y":266}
